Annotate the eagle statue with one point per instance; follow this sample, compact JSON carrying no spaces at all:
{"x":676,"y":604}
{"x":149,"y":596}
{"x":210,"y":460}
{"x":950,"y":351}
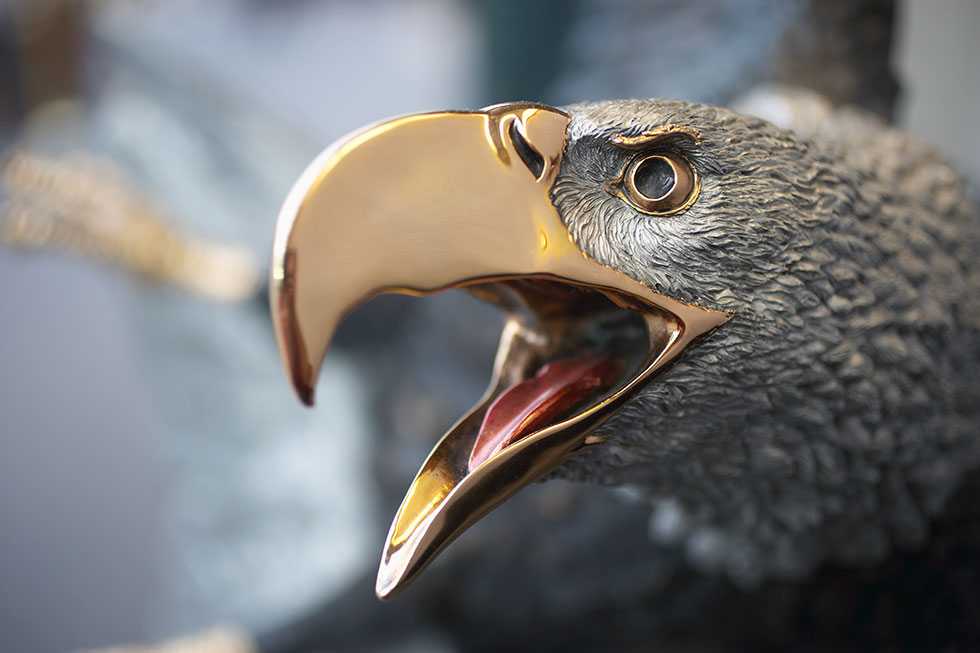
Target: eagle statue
{"x":770,"y":334}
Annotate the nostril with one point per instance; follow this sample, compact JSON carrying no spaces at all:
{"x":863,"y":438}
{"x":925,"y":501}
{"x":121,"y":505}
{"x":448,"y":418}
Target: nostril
{"x":530,"y":156}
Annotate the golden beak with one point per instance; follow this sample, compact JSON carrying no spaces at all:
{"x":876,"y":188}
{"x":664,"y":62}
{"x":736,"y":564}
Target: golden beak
{"x":433,"y":201}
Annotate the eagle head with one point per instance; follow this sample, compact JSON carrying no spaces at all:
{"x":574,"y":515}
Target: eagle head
{"x":769,"y":335}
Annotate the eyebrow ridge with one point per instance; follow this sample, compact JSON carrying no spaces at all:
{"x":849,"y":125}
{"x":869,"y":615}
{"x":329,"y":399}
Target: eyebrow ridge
{"x":647,"y":137}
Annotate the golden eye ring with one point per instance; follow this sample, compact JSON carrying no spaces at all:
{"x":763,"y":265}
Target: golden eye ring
{"x":661,"y":184}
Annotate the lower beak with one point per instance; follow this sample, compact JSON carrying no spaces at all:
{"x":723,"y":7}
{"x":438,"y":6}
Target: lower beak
{"x":428,"y":202}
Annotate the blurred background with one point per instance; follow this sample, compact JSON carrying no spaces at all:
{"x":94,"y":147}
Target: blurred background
{"x":156,"y":475}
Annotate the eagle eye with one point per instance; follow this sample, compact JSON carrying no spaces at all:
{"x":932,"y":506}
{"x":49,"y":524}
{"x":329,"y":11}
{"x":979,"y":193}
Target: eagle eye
{"x":661,"y":184}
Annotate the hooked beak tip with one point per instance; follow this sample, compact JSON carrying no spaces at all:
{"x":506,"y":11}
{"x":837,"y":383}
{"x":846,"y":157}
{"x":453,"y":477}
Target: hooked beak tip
{"x":301,"y":373}
{"x":282,"y":302}
{"x":303,"y":377}
{"x":305,"y":393}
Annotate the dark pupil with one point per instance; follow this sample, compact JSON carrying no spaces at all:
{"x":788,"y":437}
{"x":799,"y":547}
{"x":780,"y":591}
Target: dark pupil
{"x":654,"y":178}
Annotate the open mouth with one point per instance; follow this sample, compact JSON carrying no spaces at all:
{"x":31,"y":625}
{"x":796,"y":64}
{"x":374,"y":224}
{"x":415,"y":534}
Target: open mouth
{"x":428,"y":202}
{"x":565,"y":351}
{"x":569,"y":354}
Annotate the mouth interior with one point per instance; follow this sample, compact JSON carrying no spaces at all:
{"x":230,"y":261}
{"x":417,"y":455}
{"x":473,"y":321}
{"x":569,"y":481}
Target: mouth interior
{"x":570,"y":348}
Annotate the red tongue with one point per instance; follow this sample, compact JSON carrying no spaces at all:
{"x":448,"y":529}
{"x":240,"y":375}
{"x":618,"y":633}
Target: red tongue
{"x":529,"y":405}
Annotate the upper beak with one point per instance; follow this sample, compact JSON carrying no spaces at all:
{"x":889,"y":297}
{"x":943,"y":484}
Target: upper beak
{"x":423,"y":203}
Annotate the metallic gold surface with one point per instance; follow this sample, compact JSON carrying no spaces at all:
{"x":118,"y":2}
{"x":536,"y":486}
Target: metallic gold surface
{"x":426,"y":202}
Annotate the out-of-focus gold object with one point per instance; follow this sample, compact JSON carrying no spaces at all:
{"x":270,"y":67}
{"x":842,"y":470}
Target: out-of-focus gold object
{"x":82,"y":204}
{"x":218,"y":640}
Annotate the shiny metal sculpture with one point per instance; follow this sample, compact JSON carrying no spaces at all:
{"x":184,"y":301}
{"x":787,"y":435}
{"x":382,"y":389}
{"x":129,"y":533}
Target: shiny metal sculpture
{"x":462,"y":200}
{"x":615,"y":235}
